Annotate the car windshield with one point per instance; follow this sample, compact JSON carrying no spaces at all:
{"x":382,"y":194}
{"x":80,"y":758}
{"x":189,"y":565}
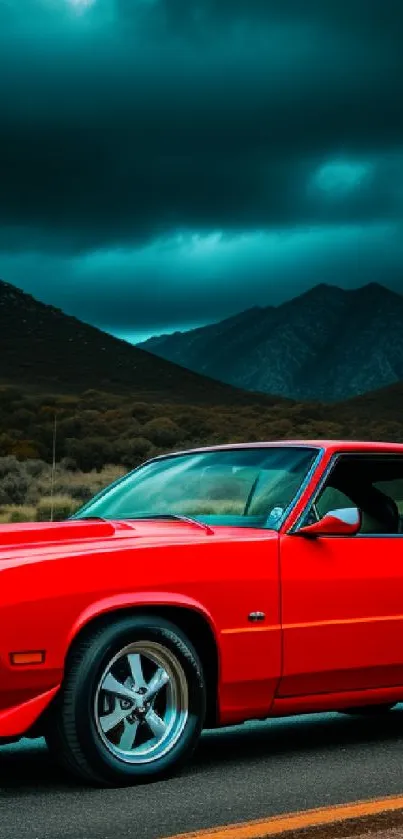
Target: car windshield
{"x":242,"y":487}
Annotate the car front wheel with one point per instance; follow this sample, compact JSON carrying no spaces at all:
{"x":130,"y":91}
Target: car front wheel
{"x":132,"y":704}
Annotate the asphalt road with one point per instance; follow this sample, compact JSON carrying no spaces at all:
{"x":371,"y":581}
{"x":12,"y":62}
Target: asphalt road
{"x":237,"y":774}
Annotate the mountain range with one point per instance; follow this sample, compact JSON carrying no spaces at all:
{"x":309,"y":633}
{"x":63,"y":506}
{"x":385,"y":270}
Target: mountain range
{"x":118,"y":404}
{"x":45,"y":350}
{"x":328,"y":344}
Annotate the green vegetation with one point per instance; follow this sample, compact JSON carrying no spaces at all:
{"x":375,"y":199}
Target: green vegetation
{"x":26,"y":489}
{"x":100,"y":436}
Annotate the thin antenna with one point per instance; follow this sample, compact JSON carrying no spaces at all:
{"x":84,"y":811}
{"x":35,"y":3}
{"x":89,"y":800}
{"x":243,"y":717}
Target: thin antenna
{"x":53,"y":467}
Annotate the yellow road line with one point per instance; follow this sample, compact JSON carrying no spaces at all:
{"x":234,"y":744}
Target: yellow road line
{"x":275,"y":825}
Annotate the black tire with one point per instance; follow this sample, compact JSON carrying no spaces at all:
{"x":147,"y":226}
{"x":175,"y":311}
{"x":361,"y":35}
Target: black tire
{"x":369,"y":710}
{"x":72,"y":733}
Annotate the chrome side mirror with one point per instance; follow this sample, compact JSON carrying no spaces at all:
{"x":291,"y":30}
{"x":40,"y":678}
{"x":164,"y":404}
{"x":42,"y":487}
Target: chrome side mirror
{"x":345,"y":522}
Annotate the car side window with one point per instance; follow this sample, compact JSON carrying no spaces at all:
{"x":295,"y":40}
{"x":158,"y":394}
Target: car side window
{"x":373,"y":483}
{"x":394,"y":490}
{"x":332,"y":499}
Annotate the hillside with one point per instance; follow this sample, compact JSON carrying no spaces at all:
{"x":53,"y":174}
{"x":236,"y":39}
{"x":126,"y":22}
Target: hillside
{"x":42,"y":348}
{"x":98,"y":428}
{"x":384,"y":405}
{"x":327,"y":344}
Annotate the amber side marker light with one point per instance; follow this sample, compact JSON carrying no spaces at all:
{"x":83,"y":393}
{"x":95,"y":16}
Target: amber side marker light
{"x":29,"y":657}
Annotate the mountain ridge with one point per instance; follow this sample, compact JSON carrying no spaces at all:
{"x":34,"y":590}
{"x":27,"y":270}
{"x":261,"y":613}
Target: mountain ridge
{"x":46,"y":349}
{"x":328,"y":344}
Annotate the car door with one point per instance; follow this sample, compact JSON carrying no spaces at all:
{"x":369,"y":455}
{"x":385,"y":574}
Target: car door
{"x":342,"y":599}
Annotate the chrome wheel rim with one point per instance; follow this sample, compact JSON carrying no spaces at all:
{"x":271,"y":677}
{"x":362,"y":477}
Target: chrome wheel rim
{"x":141,"y":703}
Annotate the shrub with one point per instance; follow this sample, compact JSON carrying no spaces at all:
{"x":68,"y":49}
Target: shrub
{"x":67,"y":402}
{"x":68,"y":464}
{"x":131,"y":452}
{"x":162,"y":431}
{"x":13,"y":488}
{"x":11,"y":513}
{"x":142,"y":411}
{"x":25,"y":449}
{"x":36,"y":468}
{"x":9,"y":464}
{"x":131,"y":428}
{"x":196,"y":424}
{"x":63,"y":506}
{"x":81,"y":493}
{"x":89,"y":453}
{"x":70,"y":427}
{"x":6,"y":445}
{"x":78,"y":486}
{"x":279,"y":429}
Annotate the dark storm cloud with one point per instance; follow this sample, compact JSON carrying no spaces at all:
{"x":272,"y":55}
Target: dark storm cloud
{"x":198,"y":18}
{"x":186,"y":281}
{"x":138,"y":118}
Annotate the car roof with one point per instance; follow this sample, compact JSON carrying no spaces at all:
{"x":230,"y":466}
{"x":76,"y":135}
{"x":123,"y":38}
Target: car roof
{"x":326,"y":445}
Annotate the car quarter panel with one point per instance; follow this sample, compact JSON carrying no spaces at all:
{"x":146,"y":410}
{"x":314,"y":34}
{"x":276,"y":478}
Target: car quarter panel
{"x":50,"y":593}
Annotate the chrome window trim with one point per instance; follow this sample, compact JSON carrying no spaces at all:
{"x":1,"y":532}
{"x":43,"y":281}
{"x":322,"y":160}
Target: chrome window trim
{"x":312,"y":499}
{"x":288,"y":511}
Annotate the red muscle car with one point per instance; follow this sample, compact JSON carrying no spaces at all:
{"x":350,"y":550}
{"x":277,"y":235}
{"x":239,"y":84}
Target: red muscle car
{"x":203,"y":589}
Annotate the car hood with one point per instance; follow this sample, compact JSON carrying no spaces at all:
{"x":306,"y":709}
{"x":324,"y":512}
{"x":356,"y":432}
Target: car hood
{"x":39,"y":532}
{"x":86,"y":532}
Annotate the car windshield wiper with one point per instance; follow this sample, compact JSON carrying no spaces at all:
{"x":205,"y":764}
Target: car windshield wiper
{"x":176,"y":517}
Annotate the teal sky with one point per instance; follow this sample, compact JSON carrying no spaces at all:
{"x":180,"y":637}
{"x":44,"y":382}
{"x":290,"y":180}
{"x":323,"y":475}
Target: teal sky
{"x":166,"y":163}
